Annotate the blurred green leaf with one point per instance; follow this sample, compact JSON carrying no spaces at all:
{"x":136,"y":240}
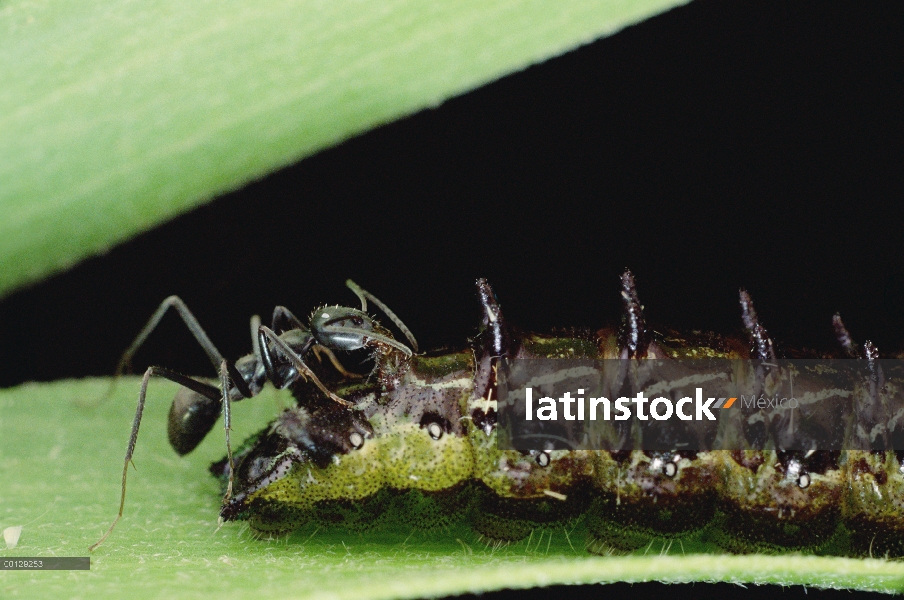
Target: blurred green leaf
{"x":116,"y":115}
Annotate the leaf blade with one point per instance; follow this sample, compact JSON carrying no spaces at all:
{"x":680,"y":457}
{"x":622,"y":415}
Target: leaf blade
{"x":115,"y":116}
{"x":59,"y":478}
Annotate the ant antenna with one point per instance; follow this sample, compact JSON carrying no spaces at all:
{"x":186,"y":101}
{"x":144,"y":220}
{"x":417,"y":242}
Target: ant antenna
{"x":364,"y":296}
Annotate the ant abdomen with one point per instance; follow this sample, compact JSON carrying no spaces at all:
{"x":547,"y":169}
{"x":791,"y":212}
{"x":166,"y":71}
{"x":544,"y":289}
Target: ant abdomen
{"x":191,"y":417}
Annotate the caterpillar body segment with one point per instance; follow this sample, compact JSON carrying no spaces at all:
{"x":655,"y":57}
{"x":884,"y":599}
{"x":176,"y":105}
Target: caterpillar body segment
{"x":419,"y":446}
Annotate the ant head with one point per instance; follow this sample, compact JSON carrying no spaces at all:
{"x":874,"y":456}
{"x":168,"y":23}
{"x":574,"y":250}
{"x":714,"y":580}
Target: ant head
{"x":342,"y":328}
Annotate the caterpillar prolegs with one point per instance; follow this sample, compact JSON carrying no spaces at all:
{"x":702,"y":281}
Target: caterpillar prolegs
{"x":419,"y":445}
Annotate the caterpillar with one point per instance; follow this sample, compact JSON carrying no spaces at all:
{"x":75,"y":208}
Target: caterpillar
{"x":417,"y":442}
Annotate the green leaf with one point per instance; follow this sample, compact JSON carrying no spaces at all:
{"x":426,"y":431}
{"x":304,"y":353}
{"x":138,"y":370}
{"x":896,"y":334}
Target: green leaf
{"x":116,"y":115}
{"x":60,"y":467}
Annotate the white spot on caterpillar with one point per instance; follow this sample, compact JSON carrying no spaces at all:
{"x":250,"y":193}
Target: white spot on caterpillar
{"x":435,"y":430}
{"x":670,"y":470}
{"x":460,"y":383}
{"x":325,"y":316}
{"x":11,"y":536}
{"x":555,"y":495}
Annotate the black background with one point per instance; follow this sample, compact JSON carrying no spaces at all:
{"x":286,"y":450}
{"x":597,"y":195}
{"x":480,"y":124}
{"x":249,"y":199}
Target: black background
{"x":718,"y":146}
{"x":710,"y":148}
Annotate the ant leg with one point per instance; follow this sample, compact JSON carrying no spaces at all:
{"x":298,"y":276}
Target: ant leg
{"x":282,"y":316}
{"x":190,"y":321}
{"x":268,"y":336}
{"x":196,"y":330}
{"x":255,"y":344}
{"x":125,"y":362}
{"x":227,"y":423}
{"x":318,"y":349}
{"x":197,"y":386}
{"x":364,"y":296}
{"x":275,"y":375}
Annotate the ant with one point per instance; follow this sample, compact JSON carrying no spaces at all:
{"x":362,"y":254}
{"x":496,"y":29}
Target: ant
{"x":278,"y":356}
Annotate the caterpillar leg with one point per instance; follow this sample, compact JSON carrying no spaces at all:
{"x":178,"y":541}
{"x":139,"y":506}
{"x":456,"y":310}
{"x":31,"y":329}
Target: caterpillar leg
{"x":642,"y":495}
{"x":874,"y":503}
